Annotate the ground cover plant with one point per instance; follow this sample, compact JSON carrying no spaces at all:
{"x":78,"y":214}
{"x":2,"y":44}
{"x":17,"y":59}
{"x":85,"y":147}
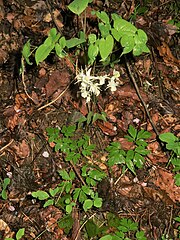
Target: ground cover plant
{"x":89,"y":120}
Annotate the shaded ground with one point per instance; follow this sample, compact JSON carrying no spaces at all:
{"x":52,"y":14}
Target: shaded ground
{"x":152,"y":199}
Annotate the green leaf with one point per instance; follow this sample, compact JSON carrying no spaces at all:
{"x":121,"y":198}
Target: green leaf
{"x":106,"y":47}
{"x":103,"y":16}
{"x":78,"y":6}
{"x":62,"y":42}
{"x":91,"y":228}
{"x":88,"y":203}
{"x":82,"y":196}
{"x":127,"y":43}
{"x":66,"y":223}
{"x":41,"y":195}
{"x":117,"y":35}
{"x":4,"y":194}
{"x":92,"y":38}
{"x":52,"y":33}
{"x":93,"y":51}
{"x":132,"y":131}
{"x":142,"y":134}
{"x":87,"y":190}
{"x":59,"y":50}
{"x":104,"y":29}
{"x":107,"y":237}
{"x":73,"y":42}
{"x":6,"y":182}
{"x":168,"y":137}
{"x":76,"y":193}
{"x":122,"y":25}
{"x":138,"y":160}
{"x":68,"y":187}
{"x":54,"y":191}
{"x":140,"y":37}
{"x":43,"y":51}
{"x":177,"y":179}
{"x":69,"y":208}
{"x":64,"y":174}
{"x":96,"y":174}
{"x":26,"y":52}
{"x":49,"y":202}
{"x":141,"y":150}
{"x":20,"y":233}
{"x":140,"y":235}
{"x":98,"y":202}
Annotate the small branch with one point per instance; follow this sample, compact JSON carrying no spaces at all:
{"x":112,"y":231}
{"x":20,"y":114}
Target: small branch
{"x":7,"y":145}
{"x":140,"y":97}
{"x":53,"y":101}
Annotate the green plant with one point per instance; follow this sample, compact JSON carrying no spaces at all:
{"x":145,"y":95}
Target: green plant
{"x":91,"y":118}
{"x":113,"y":31}
{"x":123,"y":229}
{"x":78,"y":6}
{"x":177,"y":219}
{"x":131,"y":158}
{"x":4,"y":185}
{"x":65,"y":194}
{"x":173,"y":145}
{"x":19,"y":234}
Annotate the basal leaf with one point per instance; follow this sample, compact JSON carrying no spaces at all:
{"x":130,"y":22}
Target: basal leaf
{"x":42,"y":52}
{"x":106,"y":47}
{"x":122,"y":25}
{"x":88,"y":203}
{"x":41,"y":195}
{"x":20,"y":233}
{"x":74,"y":42}
{"x":78,"y":6}
{"x":168,"y":137}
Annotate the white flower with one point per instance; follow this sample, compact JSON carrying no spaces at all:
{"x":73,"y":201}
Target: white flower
{"x":116,"y":74}
{"x":112,"y":85}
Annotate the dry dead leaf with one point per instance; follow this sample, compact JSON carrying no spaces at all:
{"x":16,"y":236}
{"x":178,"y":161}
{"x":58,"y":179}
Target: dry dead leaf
{"x":22,"y":149}
{"x":165,"y":181}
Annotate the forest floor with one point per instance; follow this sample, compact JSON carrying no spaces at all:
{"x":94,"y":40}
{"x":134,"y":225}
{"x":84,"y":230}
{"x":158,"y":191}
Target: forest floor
{"x":46,"y":97}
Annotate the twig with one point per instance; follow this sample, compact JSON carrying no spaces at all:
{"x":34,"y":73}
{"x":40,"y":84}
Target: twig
{"x":53,"y":101}
{"x":83,"y":225}
{"x":7,"y":145}
{"x":140,"y":97}
{"x":23,"y":81}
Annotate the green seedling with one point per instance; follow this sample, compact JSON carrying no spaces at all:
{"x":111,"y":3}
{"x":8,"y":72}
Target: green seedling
{"x":131,"y":158}
{"x":4,"y":185}
{"x":173,"y":145}
{"x":19,"y":234}
{"x":91,"y":118}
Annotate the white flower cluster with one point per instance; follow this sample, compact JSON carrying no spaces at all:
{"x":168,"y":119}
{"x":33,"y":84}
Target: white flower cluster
{"x":90,"y":85}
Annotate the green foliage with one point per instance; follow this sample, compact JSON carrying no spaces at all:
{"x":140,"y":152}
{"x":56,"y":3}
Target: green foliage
{"x":91,"y":118}
{"x":78,"y":6}
{"x":73,"y":150}
{"x":177,"y":219}
{"x":66,"y":223}
{"x":112,"y":32}
{"x":122,"y":229}
{"x":131,"y":158}
{"x":19,"y":234}
{"x":173,"y":145}
{"x":4,"y":186}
